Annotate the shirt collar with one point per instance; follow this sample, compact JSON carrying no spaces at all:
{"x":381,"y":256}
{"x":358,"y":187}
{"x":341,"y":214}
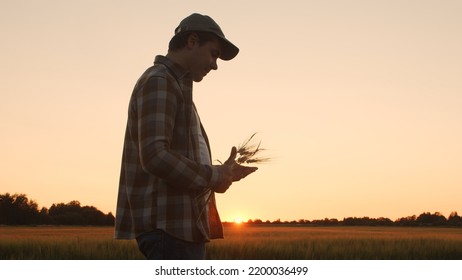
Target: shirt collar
{"x":179,"y":72}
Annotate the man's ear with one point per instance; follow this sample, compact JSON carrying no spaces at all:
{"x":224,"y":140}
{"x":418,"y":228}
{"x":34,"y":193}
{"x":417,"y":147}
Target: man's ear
{"x":193,"y":39}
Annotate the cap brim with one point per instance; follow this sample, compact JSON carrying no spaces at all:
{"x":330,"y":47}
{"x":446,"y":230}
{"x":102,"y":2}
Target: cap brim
{"x":228,"y":50}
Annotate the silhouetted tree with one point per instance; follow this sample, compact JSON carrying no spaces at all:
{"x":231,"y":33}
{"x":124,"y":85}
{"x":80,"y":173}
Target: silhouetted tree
{"x":454,"y":219}
{"x":73,"y":213}
{"x":44,"y":218}
{"x":407,"y":221}
{"x":427,"y":219}
{"x":384,"y":222}
{"x":333,"y":222}
{"x":258,"y":222}
{"x":365,"y":221}
{"x":109,"y":220}
{"x":303,"y":222}
{"x":325,"y":222}
{"x":17,"y":209}
{"x":277,"y":222}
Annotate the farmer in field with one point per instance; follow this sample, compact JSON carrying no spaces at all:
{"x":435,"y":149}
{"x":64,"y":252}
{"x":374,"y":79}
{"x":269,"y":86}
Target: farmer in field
{"x":167,"y":187}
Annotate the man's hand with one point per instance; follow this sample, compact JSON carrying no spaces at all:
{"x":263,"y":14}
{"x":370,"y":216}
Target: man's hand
{"x":240,"y":172}
{"x":232,"y":172}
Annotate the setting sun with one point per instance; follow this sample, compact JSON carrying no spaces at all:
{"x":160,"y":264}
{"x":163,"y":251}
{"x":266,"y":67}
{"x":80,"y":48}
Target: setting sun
{"x":238,"y":221}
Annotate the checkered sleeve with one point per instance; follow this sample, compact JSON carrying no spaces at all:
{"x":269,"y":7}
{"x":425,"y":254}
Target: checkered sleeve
{"x":156,"y":107}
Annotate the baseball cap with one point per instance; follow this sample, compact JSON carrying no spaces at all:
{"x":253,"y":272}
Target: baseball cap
{"x":198,"y":22}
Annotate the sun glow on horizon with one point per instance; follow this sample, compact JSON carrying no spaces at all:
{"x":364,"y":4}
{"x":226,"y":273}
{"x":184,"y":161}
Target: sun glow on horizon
{"x":238,"y":221}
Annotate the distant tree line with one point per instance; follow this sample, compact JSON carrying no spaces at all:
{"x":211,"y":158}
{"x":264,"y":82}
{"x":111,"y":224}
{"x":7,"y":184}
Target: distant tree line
{"x":17,"y":209}
{"x":424,"y":219}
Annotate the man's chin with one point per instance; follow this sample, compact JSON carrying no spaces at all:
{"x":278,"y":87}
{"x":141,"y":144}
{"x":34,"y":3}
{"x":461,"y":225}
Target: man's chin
{"x":197,"y":79}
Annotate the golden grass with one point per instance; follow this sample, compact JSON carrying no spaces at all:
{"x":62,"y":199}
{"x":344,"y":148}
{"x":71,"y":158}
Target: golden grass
{"x":54,"y":243}
{"x":244,"y":242}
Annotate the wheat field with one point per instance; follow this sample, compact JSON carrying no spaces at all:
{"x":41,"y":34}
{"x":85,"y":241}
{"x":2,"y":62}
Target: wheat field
{"x":244,"y":242}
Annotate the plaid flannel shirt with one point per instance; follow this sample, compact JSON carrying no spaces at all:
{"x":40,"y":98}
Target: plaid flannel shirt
{"x":163,"y":185}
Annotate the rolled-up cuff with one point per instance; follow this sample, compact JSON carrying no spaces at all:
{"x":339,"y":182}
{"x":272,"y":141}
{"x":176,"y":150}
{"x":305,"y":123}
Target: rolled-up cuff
{"x":216,"y":177}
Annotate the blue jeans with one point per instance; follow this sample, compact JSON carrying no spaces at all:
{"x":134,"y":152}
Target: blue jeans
{"x":158,"y":245}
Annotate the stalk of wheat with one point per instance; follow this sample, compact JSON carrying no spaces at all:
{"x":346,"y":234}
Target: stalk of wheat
{"x":250,"y":152}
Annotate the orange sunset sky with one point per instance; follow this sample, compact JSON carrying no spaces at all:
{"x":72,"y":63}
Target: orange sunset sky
{"x":359,"y":102}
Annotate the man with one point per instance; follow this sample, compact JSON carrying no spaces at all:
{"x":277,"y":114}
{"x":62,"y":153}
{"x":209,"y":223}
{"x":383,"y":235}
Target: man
{"x":167,"y":184}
